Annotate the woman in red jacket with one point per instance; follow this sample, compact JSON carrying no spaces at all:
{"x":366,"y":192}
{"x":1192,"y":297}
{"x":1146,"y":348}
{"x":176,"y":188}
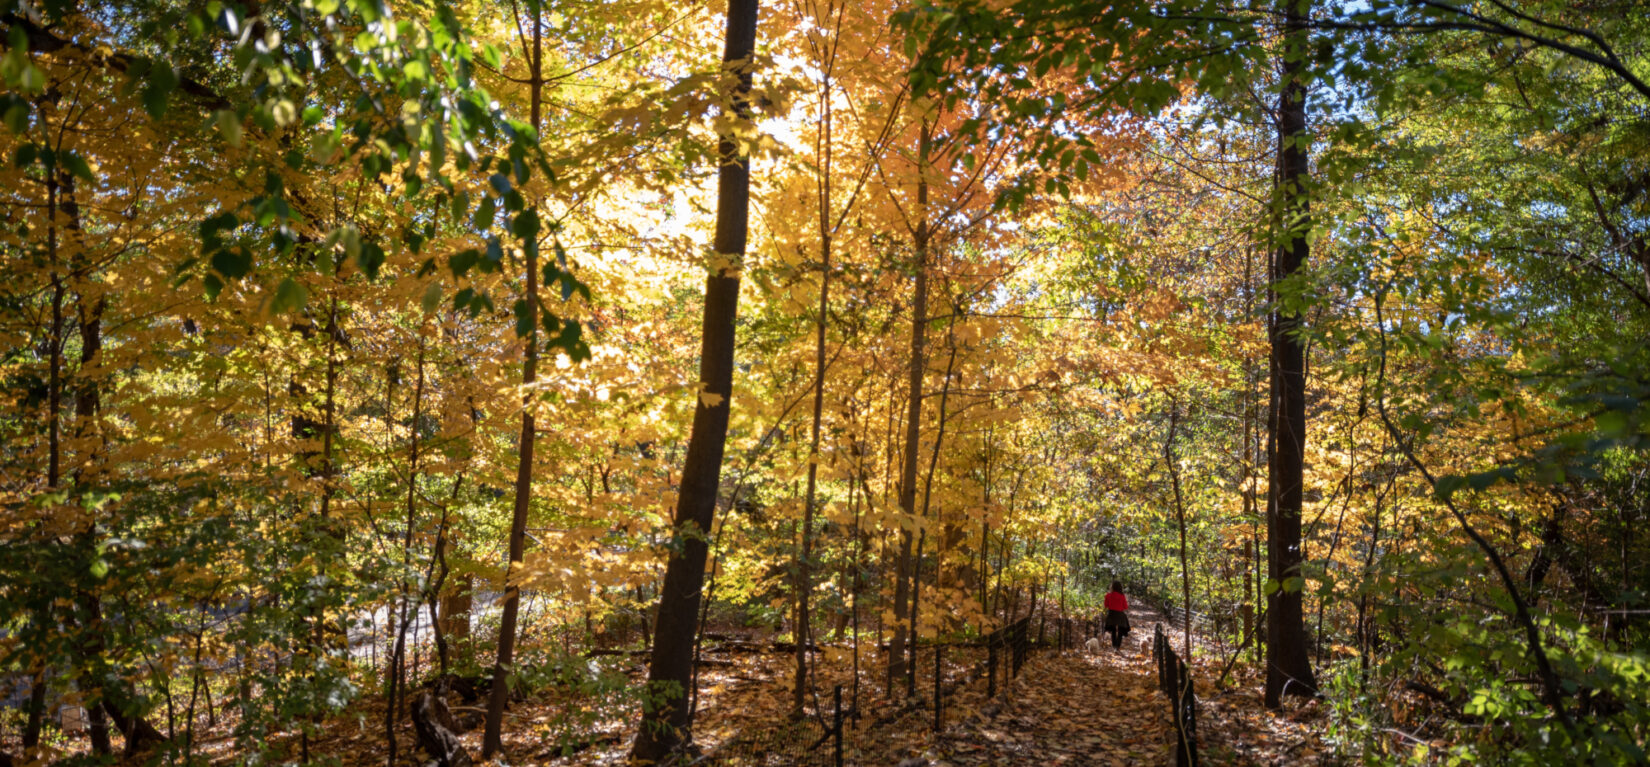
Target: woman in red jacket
{"x":1117,"y":615}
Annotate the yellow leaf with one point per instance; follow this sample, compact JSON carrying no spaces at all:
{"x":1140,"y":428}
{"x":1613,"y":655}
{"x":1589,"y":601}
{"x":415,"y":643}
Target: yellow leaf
{"x":709,"y":398}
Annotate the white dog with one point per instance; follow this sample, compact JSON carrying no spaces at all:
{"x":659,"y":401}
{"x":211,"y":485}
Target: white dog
{"x":1092,"y":646}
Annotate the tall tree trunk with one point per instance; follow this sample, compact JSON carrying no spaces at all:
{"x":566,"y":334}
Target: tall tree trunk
{"x":803,"y":619}
{"x":927,"y":495}
{"x":903,"y":567}
{"x":493,"y":733}
{"x":54,"y":439}
{"x":1288,"y":665}
{"x":87,"y":402}
{"x":666,"y":726}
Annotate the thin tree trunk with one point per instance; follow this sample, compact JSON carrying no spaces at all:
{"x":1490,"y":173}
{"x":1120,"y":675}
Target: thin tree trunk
{"x":54,"y":446}
{"x":409,"y":612}
{"x":927,"y":496}
{"x":1180,"y":522}
{"x":1551,"y":691}
{"x":666,"y":726}
{"x":1288,"y":663}
{"x":492,"y":740}
{"x":904,"y":569}
{"x":1365,"y":647}
{"x":87,"y":403}
{"x":441,"y":619}
{"x":804,"y":586}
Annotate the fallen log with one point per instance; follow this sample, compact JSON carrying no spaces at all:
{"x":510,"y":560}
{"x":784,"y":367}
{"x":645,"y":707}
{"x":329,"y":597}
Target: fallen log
{"x":433,"y":722}
{"x":791,"y":647}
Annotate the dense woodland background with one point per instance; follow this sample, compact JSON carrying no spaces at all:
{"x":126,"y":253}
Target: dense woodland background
{"x":348,"y":343}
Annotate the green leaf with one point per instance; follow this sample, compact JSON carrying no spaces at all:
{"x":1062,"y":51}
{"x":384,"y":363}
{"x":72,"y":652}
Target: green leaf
{"x":370,"y":259}
{"x":33,"y":79}
{"x":432,"y":297}
{"x":462,"y":261}
{"x":77,"y":165}
{"x":464,"y":299}
{"x":524,"y":318}
{"x":289,"y":297}
{"x":571,"y":340}
{"x":233,"y":263}
{"x":526,"y":225}
{"x":16,"y":112}
{"x":229,"y":126}
{"x":495,"y":255}
{"x":484,"y":214}
{"x":162,"y":81}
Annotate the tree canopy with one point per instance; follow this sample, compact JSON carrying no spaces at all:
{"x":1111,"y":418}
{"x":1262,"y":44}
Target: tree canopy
{"x":359,"y":348}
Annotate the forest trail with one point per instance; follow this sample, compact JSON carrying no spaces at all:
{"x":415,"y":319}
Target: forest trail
{"x":1068,"y":708}
{"x":1065,"y":707}
{"x":1073,"y":708}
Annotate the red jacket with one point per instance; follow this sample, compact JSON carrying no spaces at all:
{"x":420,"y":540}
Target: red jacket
{"x":1116,"y":601}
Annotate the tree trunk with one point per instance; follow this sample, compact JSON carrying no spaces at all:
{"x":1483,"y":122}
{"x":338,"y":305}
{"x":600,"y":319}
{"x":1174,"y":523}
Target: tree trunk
{"x":54,"y":441}
{"x":903,"y":567}
{"x":1288,"y":665}
{"x":666,"y":726}
{"x":805,"y":586}
{"x":1180,"y":522}
{"x":499,"y":697}
{"x":409,"y":608}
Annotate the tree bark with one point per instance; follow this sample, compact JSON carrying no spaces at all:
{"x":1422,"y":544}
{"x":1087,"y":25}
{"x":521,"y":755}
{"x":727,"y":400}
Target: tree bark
{"x":666,"y":726}
{"x":54,"y":442}
{"x":805,"y":586}
{"x":903,"y":570}
{"x":409,"y":609}
{"x":1288,"y":665}
{"x":1172,"y":462}
{"x":499,"y":697}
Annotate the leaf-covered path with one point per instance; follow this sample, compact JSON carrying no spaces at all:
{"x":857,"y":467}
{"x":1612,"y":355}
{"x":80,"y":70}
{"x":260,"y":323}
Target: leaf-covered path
{"x":1072,"y":708}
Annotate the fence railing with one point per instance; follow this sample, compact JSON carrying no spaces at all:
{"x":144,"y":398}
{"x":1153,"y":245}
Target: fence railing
{"x":811,"y":741}
{"x":1176,"y":685}
{"x":1011,"y":641}
{"x":818,"y":741}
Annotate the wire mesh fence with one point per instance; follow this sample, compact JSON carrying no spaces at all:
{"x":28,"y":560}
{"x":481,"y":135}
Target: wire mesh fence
{"x":810,"y":741}
{"x":1176,"y":685}
{"x":943,"y":669}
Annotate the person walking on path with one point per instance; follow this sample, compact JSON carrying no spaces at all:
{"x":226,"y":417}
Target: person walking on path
{"x":1117,"y":615}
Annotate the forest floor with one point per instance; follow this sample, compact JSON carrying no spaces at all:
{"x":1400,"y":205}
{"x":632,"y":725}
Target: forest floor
{"x":1066,"y":707}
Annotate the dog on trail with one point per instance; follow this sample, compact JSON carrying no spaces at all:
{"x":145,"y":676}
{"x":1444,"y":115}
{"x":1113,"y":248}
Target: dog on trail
{"x":1092,"y":647}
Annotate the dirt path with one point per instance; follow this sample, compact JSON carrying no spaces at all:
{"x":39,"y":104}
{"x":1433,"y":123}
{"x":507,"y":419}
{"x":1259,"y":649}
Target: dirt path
{"x":1071,"y":708}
